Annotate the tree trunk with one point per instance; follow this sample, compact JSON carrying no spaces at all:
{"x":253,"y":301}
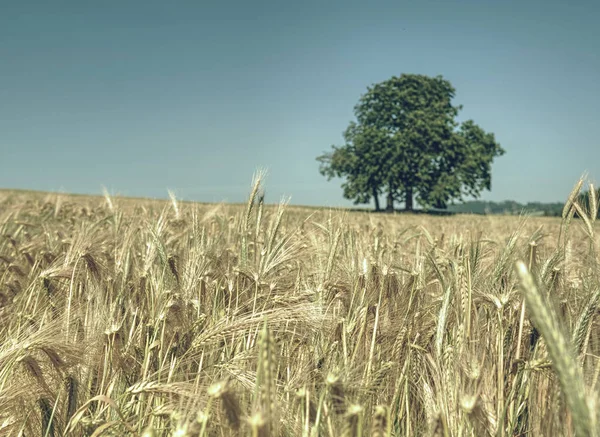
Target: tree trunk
{"x":409,"y":199}
{"x":376,"y":198}
{"x":390,"y":202}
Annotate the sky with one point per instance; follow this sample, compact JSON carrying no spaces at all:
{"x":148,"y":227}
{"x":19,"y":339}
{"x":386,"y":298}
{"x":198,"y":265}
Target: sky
{"x":142,"y":97}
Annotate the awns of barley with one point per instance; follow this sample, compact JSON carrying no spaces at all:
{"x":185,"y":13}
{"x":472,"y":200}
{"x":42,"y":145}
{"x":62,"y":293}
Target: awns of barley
{"x":561,"y":352}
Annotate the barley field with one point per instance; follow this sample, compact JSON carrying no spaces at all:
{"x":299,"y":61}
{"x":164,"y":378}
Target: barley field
{"x":166,"y":318}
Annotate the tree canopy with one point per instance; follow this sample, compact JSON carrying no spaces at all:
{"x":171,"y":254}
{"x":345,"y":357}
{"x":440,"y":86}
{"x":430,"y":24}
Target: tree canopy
{"x":406,"y":144}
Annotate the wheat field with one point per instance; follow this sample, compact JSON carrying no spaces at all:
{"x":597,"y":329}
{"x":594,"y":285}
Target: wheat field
{"x":155,"y":318}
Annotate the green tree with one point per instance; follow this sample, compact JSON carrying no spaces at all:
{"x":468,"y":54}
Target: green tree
{"x":406,"y":144}
{"x":360,"y":162}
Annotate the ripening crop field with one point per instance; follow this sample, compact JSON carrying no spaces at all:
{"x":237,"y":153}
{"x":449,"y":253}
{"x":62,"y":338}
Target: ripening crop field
{"x":155,"y":318}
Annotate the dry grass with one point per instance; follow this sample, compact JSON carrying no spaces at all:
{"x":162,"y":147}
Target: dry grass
{"x":130,"y":317}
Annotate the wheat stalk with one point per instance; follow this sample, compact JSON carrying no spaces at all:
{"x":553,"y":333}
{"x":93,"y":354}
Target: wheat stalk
{"x":561,"y":352}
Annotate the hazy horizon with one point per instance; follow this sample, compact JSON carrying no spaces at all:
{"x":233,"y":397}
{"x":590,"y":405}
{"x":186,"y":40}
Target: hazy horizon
{"x":142,"y":97}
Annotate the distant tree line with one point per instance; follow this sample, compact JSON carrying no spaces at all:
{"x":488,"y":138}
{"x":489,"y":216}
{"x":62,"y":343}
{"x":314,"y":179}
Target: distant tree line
{"x":511,"y":207}
{"x":508,"y":207}
{"x":585,"y":200}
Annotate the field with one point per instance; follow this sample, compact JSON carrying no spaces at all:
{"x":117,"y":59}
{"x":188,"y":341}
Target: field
{"x":138,"y":317}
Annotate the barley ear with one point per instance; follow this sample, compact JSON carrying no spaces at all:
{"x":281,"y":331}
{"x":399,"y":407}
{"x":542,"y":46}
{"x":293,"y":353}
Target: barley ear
{"x":256,"y":183}
{"x":583,"y":323}
{"x":266,"y":377}
{"x":380,"y":425}
{"x":336,"y":394}
{"x":108,"y":199}
{"x":174,"y":204}
{"x":582,"y":215}
{"x":71,"y":387}
{"x":571,"y":198}
{"x":258,"y":426}
{"x":593,"y":203}
{"x":353,"y":425}
{"x":231,"y":406}
{"x":47,"y":416}
{"x":561,"y":352}
{"x":442,"y":318}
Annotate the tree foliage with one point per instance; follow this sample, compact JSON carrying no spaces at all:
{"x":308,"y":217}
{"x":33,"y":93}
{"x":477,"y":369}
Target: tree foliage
{"x":405,"y":143}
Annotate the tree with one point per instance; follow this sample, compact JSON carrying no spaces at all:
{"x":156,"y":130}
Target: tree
{"x":361,"y":164}
{"x":405,"y":143}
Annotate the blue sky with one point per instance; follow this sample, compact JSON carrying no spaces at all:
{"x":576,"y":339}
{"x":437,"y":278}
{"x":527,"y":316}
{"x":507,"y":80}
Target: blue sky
{"x":194,"y":96}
